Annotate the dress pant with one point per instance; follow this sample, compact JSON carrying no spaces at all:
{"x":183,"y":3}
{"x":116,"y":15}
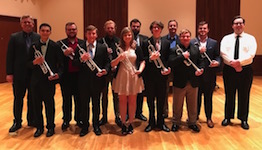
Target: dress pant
{"x":44,"y":91}
{"x":240,"y":82}
{"x":19,"y":90}
{"x":190,"y":93}
{"x":169,"y":79}
{"x":139,"y":103}
{"x":69,"y":88}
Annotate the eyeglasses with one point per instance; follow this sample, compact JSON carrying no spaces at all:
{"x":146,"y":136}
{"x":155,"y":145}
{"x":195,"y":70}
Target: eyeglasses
{"x":71,"y":29}
{"x":238,"y":23}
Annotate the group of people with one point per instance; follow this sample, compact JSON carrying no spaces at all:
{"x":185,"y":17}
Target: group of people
{"x":137,"y":66}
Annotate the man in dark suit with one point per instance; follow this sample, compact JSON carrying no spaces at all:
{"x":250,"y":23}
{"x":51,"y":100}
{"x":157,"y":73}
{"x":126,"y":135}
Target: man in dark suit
{"x":155,"y":77}
{"x":69,"y":79}
{"x":207,"y":81}
{"x":174,"y":40}
{"x":135,"y":26}
{"x":185,"y":83}
{"x":45,"y":60}
{"x":110,"y":41}
{"x":18,"y":73}
{"x":91,"y":82}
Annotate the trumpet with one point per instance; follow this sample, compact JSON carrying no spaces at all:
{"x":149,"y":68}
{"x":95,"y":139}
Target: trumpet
{"x":126,"y":61}
{"x":204,"y":55}
{"x":44,"y":66}
{"x":158,"y":62}
{"x":187,"y":62}
{"x":64,"y":47}
{"x":90,"y":63}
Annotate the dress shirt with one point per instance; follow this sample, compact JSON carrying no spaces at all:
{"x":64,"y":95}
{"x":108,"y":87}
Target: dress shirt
{"x":93,"y":49}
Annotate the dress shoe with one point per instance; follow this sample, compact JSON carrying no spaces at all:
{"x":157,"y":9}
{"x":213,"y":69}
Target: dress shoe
{"x":165,"y":115}
{"x":130,"y":129}
{"x":38,"y":132}
{"x":175,"y":128}
{"x":194,"y":127}
{"x":50,"y":132}
{"x":103,"y":121}
{"x":79,"y":124}
{"x":164,"y":128}
{"x":15,"y":127}
{"x":210,"y":123}
{"x":244,"y":125}
{"x":124,"y":130}
{"x":83,"y":132}
{"x":225,"y":122}
{"x":97,"y":130}
{"x":141,"y":117}
{"x":65,"y":125}
{"x":118,"y":121}
{"x":149,"y":128}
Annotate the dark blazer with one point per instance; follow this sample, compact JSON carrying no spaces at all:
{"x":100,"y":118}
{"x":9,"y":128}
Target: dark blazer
{"x":151,"y":71}
{"x":88,"y":78}
{"x":142,"y":38}
{"x":17,"y":55}
{"x":213,"y":52}
{"x":53,"y":58}
{"x":183,"y":73}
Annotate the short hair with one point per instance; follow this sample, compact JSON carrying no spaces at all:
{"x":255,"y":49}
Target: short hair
{"x":159,"y":23}
{"x":184,"y":31}
{"x":202,"y":23}
{"x":109,"y":22}
{"x":91,"y":28}
{"x":45,"y":25}
{"x":173,"y":20}
{"x":237,"y":17}
{"x":69,"y":24}
{"x":26,"y":16}
{"x":134,"y":21}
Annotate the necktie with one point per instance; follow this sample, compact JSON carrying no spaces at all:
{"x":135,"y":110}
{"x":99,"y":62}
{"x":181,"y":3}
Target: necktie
{"x":28,"y":42}
{"x":236,"y":53}
{"x":157,"y":45}
{"x":90,"y":46}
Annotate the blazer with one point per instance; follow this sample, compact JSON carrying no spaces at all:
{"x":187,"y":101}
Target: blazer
{"x":183,"y":73}
{"x":53,"y":57}
{"x":151,"y":72}
{"x":142,"y":38}
{"x":16,"y":58}
{"x":88,"y":78}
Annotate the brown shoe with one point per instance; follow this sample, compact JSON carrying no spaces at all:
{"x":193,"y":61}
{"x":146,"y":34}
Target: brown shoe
{"x":210,"y":123}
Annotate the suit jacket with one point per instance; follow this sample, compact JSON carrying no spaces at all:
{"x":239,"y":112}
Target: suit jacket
{"x":17,"y":55}
{"x":88,"y":78}
{"x":142,"y":38}
{"x":213,"y":52}
{"x":183,"y":73}
{"x":53,"y":58}
{"x":151,"y":72}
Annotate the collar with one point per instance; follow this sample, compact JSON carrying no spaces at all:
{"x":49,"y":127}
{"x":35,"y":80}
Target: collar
{"x":94,"y":44}
{"x":240,"y":35}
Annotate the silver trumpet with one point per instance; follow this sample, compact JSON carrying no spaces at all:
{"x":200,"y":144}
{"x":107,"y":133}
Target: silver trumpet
{"x":44,"y":66}
{"x":158,"y":62}
{"x":187,"y":62}
{"x":129,"y":66}
{"x":90,"y":63}
{"x":64,"y":47}
{"x":204,"y":55}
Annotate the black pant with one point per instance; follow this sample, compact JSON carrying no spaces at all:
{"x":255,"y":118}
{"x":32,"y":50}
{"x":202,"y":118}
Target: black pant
{"x":69,"y":88}
{"x":240,"y":82}
{"x":44,"y":91}
{"x":19,"y":90}
{"x":139,"y":103}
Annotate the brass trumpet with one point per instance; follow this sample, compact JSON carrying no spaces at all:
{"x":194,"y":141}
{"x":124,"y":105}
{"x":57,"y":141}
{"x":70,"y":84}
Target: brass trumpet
{"x":90,"y":63}
{"x":64,"y":47}
{"x":187,"y":62}
{"x":204,"y":55}
{"x":158,"y":62}
{"x":126,"y":61}
{"x":44,"y":66}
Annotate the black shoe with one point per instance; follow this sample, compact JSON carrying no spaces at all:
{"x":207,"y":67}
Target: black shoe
{"x":194,"y":127}
{"x":225,"y":122}
{"x":38,"y":132}
{"x":79,"y":124}
{"x":118,"y":122}
{"x":15,"y":127}
{"x":164,"y":128}
{"x":83,"y":132}
{"x":141,"y":117}
{"x":165,"y":115}
{"x":244,"y":125}
{"x":149,"y":128}
{"x":65,"y":125}
{"x":175,"y":127}
{"x":124,"y":130}
{"x":130,"y":129}
{"x":50,"y":132}
{"x":102,"y":121}
{"x":97,"y":130}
